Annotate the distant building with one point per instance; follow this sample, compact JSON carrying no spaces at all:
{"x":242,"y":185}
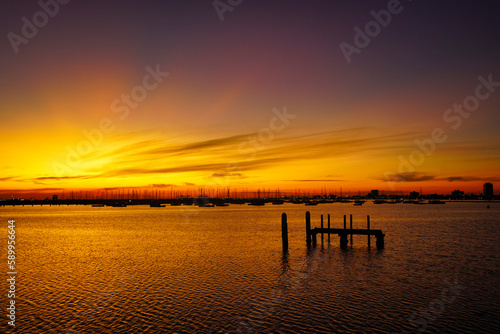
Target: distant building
{"x":374,"y":193}
{"x":54,"y":198}
{"x":488,"y":190}
{"x":457,"y":194}
{"x":414,"y":194}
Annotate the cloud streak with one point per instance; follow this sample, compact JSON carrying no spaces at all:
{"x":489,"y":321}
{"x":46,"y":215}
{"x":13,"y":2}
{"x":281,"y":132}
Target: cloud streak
{"x":161,"y":157}
{"x":311,"y":180}
{"x":143,"y":155}
{"x":420,"y":177}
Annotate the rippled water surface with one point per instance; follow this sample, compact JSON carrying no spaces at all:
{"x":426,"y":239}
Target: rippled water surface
{"x":222,"y":270}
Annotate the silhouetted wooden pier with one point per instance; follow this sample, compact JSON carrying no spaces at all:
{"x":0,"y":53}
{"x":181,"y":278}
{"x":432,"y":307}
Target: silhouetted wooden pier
{"x":343,"y":233}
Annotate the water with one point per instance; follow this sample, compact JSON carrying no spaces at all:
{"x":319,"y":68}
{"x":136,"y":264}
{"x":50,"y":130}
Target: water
{"x":222,"y":270}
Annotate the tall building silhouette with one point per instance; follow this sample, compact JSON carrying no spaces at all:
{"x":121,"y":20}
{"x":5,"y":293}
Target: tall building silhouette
{"x":488,"y":190}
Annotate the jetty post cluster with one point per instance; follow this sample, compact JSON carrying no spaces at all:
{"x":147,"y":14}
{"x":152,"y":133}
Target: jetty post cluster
{"x":343,"y":233}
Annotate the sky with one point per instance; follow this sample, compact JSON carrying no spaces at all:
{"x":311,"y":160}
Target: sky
{"x":386,"y":95}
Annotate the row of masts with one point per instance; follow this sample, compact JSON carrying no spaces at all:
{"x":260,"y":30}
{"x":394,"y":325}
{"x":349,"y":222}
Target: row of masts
{"x":169,"y":192}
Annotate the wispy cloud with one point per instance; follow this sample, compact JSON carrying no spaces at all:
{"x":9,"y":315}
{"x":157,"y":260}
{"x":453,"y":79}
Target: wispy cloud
{"x":44,"y":179}
{"x":227,"y":174}
{"x":162,"y":185}
{"x":311,"y":180}
{"x":154,"y":149}
{"x":31,"y":190}
{"x":161,"y":156}
{"x":147,"y":154}
{"x":473,"y":178}
{"x":51,"y":178}
{"x":419,"y":177}
{"x":463,"y":178}
{"x":408,"y":177}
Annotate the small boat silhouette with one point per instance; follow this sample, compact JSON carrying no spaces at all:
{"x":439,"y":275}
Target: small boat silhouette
{"x":257,"y":203}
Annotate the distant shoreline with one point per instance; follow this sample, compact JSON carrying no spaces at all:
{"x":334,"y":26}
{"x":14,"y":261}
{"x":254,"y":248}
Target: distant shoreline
{"x":210,"y":202}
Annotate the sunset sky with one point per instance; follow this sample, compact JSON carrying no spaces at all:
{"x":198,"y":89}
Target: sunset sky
{"x":264,"y":98}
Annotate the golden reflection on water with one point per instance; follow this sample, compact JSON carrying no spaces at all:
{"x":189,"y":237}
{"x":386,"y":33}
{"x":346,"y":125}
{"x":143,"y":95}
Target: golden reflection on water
{"x":204,"y":270}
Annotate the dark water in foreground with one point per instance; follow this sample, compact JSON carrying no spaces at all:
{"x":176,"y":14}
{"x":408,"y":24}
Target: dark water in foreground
{"x":222,"y":270}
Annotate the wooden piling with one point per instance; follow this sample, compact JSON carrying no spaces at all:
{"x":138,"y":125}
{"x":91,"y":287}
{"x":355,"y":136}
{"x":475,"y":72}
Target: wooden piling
{"x":328,"y":228}
{"x":284,"y":231}
{"x":380,"y":241}
{"x":322,"y":229}
{"x":343,"y":240}
{"x":312,"y":233}
{"x":368,"y":227}
{"x":308,"y":228}
{"x":351,"y":228}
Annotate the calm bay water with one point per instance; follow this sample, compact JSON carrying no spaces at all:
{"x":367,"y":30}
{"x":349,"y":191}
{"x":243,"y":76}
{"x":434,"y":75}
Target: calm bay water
{"x":222,"y":270}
